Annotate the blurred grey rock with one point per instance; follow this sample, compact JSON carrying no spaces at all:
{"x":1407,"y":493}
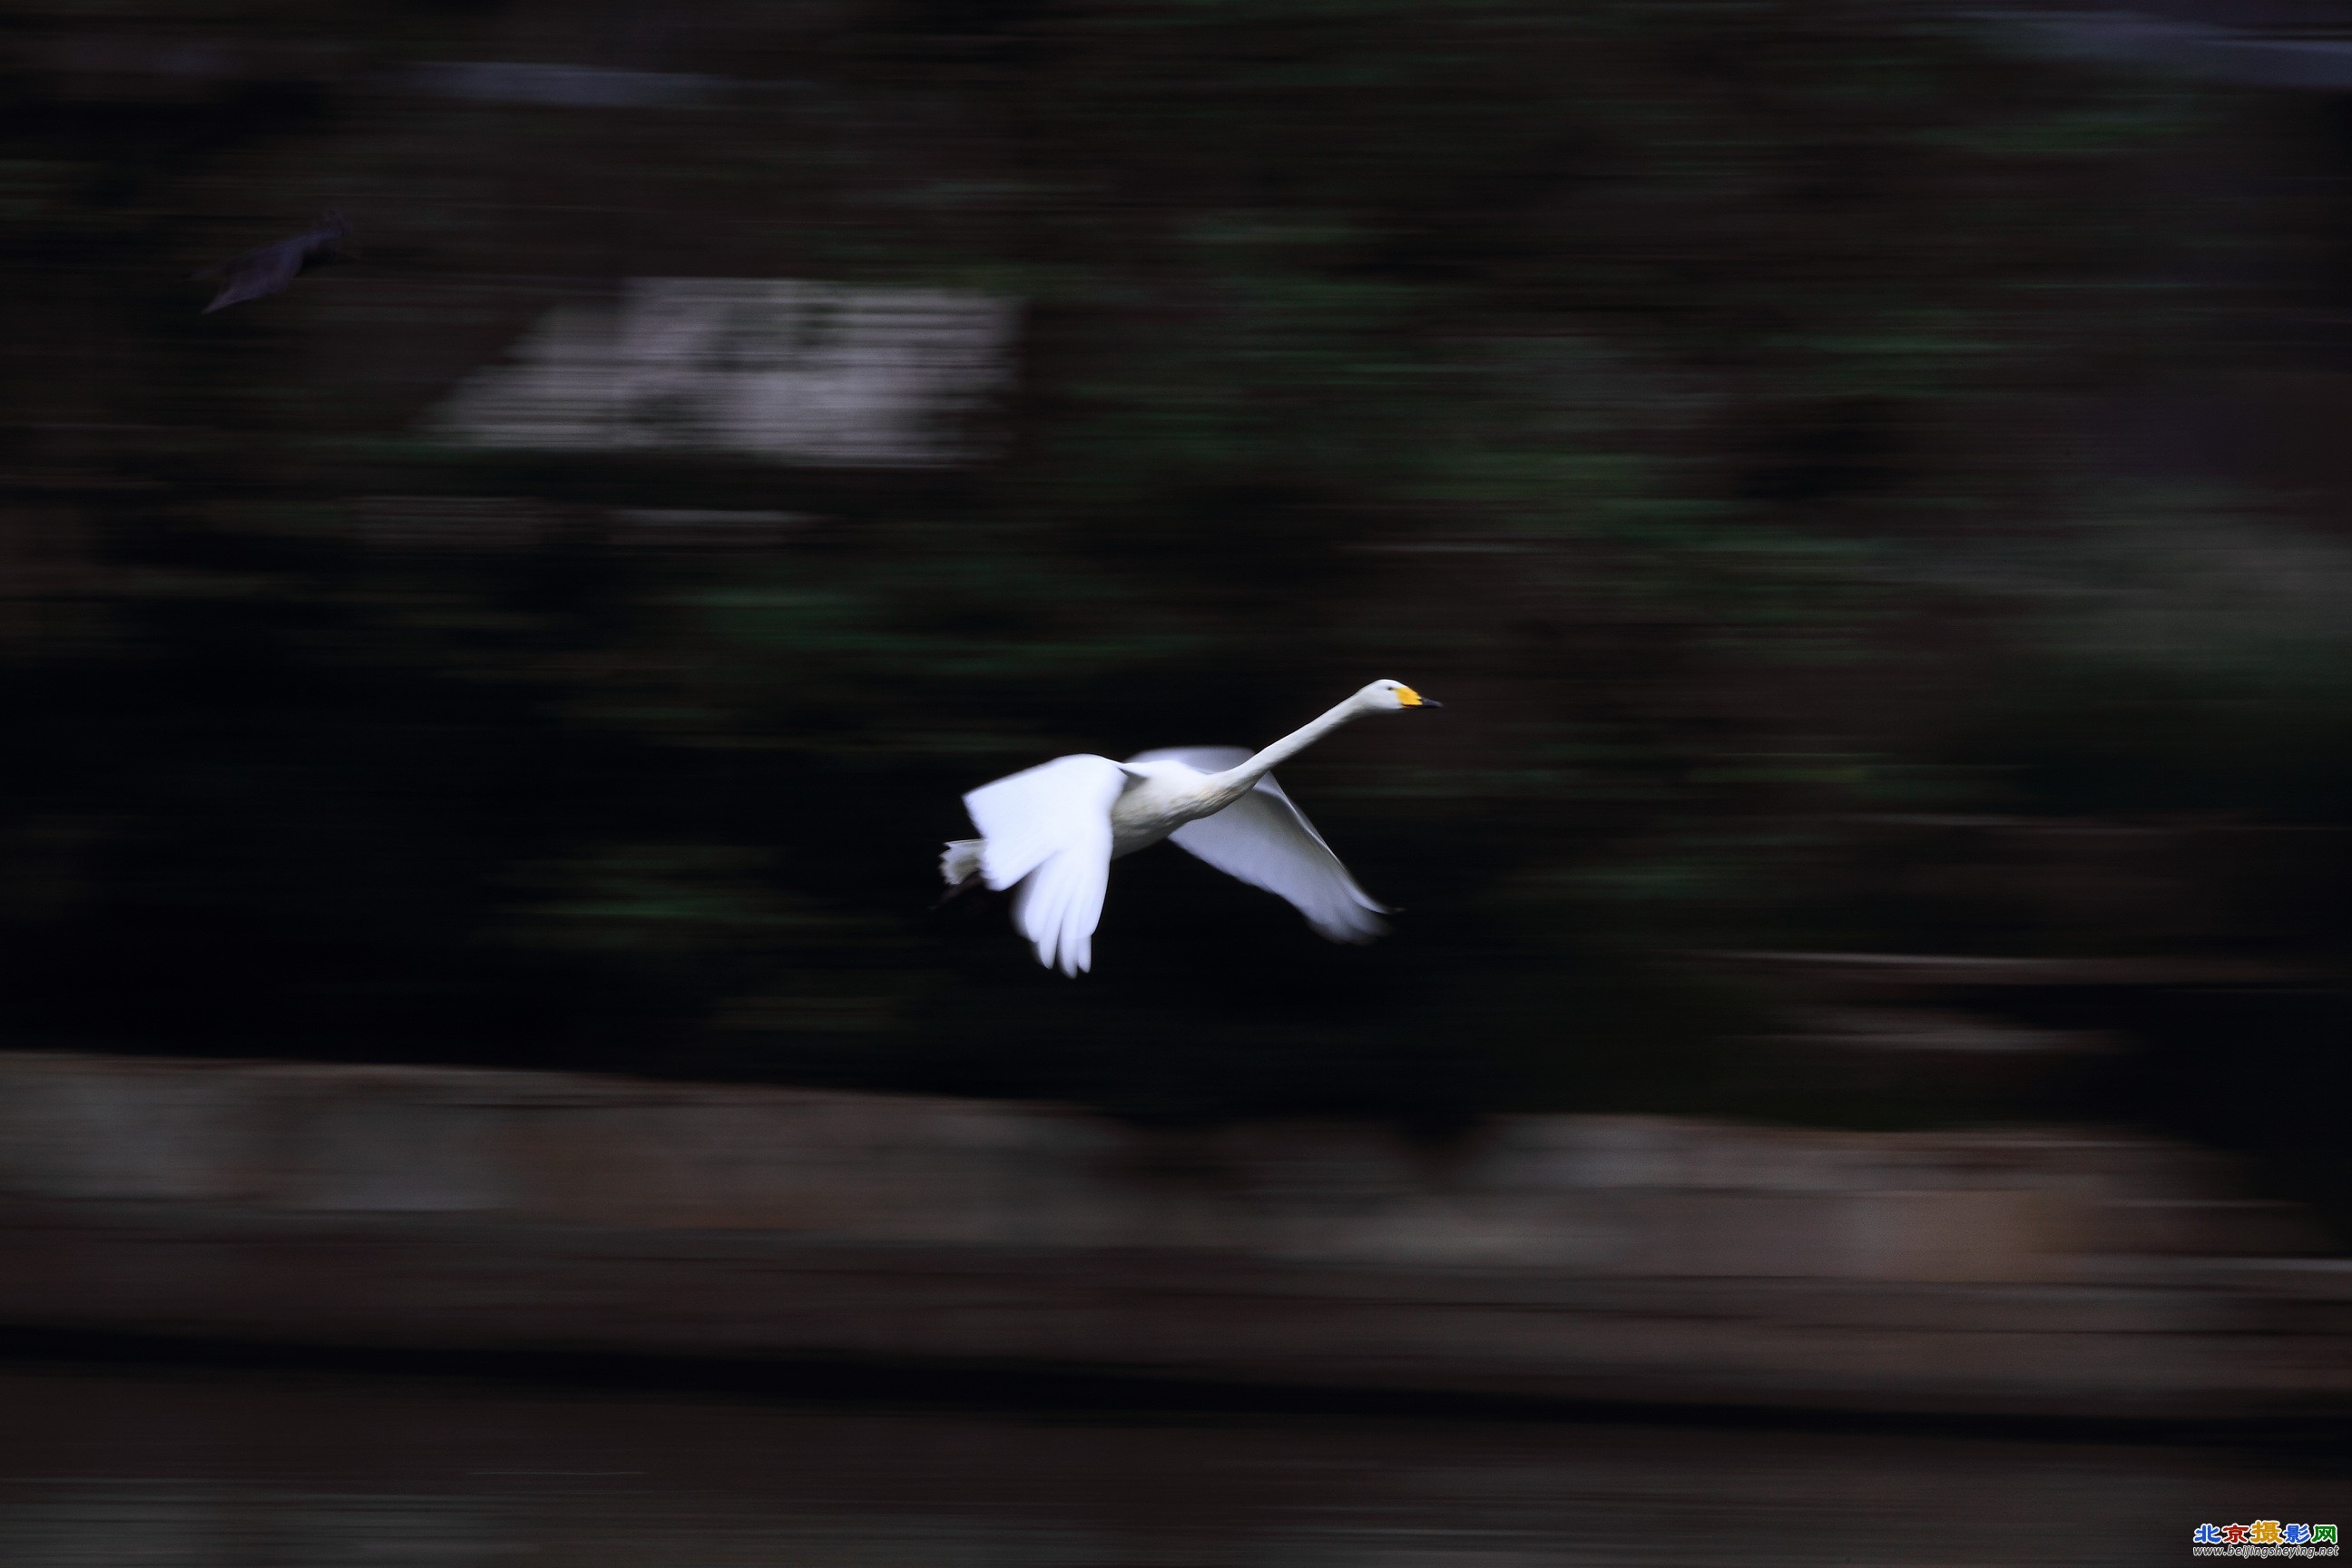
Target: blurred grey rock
{"x":773,"y":368}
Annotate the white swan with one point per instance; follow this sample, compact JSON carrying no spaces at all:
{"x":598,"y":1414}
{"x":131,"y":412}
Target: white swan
{"x":1055,"y":829}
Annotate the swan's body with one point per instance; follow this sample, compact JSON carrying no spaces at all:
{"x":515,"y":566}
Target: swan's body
{"x":1053,"y":831}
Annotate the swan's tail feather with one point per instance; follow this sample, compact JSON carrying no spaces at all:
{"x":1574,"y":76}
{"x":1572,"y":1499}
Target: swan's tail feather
{"x":960,"y":862}
{"x":959,"y":869}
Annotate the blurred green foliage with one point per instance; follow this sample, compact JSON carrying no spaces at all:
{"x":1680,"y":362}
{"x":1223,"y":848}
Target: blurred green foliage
{"x":1717,"y":404}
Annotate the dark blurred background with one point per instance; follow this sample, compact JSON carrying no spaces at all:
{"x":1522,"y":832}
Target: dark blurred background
{"x":1867,"y":483}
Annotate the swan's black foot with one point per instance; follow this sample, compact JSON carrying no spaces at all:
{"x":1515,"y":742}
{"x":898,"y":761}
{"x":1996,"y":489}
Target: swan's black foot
{"x":958,"y":891}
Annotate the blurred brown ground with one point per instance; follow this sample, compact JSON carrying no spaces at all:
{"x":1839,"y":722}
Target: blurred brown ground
{"x":1638,"y":1260}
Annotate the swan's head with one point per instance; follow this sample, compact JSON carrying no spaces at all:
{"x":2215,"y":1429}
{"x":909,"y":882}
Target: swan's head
{"x":1384,"y":696}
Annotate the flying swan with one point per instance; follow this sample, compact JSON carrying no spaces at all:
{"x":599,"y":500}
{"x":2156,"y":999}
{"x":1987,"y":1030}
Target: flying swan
{"x":1053,"y":830}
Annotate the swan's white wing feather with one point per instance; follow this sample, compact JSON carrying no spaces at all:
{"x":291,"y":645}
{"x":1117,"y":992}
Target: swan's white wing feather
{"x":1028,"y":815}
{"x":1048,"y":828}
{"x":1266,"y":840}
{"x":1199,"y":759}
{"x":1058,"y":905}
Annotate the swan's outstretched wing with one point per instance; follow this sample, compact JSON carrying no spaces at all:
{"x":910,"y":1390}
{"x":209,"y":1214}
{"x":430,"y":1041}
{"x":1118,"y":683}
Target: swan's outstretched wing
{"x":1048,"y":828}
{"x":1267,"y":841}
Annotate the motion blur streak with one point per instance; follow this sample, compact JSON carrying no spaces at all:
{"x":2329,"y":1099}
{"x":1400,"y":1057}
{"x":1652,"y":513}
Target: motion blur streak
{"x":1868,"y":481}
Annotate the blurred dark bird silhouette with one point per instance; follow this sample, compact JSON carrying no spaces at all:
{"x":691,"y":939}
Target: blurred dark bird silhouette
{"x":273,"y":267}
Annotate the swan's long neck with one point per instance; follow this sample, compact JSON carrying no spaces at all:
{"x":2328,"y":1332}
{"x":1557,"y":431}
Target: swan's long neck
{"x":1235,"y":781}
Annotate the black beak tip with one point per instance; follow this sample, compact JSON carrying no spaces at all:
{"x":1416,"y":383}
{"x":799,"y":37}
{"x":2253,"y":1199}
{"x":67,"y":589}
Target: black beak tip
{"x":1430,"y":702}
